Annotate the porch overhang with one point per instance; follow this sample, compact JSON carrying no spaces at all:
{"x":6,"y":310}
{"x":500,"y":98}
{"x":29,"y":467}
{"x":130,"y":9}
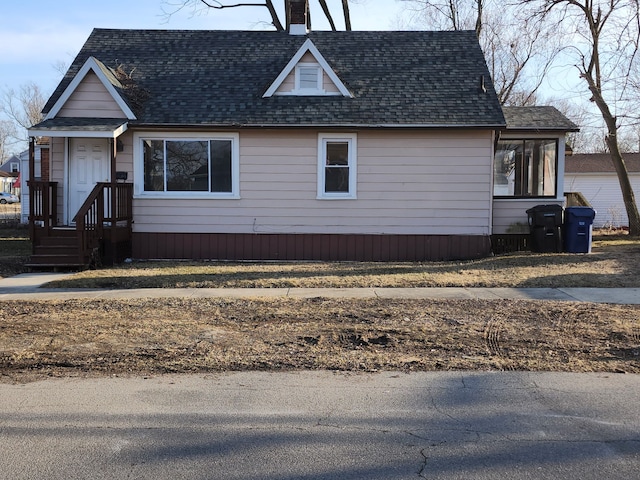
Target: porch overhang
{"x":80,"y":128}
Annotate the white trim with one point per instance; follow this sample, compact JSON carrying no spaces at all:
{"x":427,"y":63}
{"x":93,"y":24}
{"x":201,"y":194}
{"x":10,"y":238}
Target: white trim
{"x":138,"y":164}
{"x":91,"y":65}
{"x":307,"y":46}
{"x":298,"y":29}
{"x":352,"y":140}
{"x":79,"y":133}
{"x":65,"y":173}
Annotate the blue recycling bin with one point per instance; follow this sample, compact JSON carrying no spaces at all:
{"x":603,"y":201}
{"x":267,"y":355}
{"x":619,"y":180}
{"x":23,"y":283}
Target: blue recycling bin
{"x":578,"y":227}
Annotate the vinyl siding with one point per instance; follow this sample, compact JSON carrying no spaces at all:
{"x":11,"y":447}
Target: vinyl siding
{"x":409,"y":182}
{"x":510,"y":216}
{"x":602,"y":191}
{"x":91,"y":99}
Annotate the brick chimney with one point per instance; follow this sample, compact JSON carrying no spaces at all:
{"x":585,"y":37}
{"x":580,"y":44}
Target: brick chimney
{"x":298,"y":14}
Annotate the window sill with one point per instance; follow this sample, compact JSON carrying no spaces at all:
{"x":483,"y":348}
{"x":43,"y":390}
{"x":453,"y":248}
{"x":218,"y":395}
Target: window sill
{"x":336,"y":197}
{"x":187,"y":196}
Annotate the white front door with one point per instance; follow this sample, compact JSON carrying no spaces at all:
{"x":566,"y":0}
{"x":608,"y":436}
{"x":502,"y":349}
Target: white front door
{"x":89,"y":163}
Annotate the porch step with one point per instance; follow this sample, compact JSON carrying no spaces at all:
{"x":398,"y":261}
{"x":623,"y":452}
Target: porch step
{"x":48,"y":261}
{"x":58,"y":249}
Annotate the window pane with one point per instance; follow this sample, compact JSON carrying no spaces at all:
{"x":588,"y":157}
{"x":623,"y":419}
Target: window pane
{"x":337,"y":153}
{"x":187,"y":166}
{"x":525,"y":168}
{"x":336,"y":179}
{"x":308,"y":77}
{"x":153,"y":165}
{"x":550,"y":162}
{"x":220,"y":165}
{"x":508,"y":155}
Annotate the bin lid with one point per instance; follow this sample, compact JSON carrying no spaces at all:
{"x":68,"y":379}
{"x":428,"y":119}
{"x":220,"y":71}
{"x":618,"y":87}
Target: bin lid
{"x":552,"y":208}
{"x":581,"y":212}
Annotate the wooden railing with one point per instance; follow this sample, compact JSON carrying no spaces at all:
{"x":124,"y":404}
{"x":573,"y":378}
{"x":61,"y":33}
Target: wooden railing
{"x":43,"y":209}
{"x":43,"y":202}
{"x":576,"y":199}
{"x":108,"y":205}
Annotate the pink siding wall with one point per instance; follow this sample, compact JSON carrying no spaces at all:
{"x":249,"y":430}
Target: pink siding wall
{"x":91,"y":99}
{"x":409,"y":182}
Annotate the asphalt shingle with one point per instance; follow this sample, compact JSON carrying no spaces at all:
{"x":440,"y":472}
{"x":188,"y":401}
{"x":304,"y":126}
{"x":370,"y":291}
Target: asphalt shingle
{"x":218,"y":78}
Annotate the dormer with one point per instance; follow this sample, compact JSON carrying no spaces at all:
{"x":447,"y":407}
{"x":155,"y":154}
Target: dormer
{"x":308,"y":74}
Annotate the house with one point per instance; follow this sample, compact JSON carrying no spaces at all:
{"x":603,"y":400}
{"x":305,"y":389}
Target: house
{"x":289,"y":146}
{"x":593,"y":175}
{"x":9,"y":172}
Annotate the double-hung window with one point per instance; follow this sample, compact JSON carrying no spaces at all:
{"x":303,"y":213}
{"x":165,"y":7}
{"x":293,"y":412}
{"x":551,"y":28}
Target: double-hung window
{"x":525,"y":168}
{"x":337,"y":166}
{"x":190,"y":166}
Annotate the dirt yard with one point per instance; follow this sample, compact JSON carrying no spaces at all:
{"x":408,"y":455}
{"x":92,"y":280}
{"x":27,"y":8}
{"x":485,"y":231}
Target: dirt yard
{"x":146,"y":337}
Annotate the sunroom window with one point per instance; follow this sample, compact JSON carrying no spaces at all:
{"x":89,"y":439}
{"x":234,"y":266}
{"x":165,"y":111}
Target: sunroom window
{"x":189,"y":165}
{"x":525,"y":168}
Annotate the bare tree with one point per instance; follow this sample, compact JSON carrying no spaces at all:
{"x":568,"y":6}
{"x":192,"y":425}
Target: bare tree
{"x":7,"y":135}
{"x":23,"y":109}
{"x":519,"y":48}
{"x":604,"y":37}
{"x":198,"y":6}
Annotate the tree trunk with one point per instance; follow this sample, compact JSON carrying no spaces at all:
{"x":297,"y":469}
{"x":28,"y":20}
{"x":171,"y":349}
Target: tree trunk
{"x":628,"y":197}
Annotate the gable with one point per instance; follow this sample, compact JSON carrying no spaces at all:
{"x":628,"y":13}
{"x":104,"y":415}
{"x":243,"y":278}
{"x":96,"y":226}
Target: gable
{"x":91,"y":99}
{"x":307,"y":74}
{"x":92,"y":93}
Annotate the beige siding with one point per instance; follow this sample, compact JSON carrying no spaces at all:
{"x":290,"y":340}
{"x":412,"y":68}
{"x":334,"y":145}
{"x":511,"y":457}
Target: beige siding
{"x":289,"y":84}
{"x":91,"y":99}
{"x":602,"y":191}
{"x":510,"y":216}
{"x":408,"y":182}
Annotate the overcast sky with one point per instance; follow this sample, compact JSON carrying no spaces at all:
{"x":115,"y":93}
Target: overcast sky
{"x":37,"y":35}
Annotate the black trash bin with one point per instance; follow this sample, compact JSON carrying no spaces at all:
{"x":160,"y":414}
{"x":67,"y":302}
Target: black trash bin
{"x":545,"y":225}
{"x":578,"y":227}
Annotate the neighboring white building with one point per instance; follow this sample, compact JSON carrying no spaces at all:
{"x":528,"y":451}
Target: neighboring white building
{"x":593,"y":175}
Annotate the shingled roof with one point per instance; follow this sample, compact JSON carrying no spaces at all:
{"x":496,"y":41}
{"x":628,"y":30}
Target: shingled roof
{"x":538,"y":118}
{"x":218,"y":78}
{"x":599,"y":163}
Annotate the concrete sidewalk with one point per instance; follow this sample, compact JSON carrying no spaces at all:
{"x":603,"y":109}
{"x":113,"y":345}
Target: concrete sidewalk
{"x":32,"y":286}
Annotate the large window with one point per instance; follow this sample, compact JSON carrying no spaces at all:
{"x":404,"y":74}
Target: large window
{"x":337,"y":166}
{"x":525,"y":168}
{"x":190,"y":165}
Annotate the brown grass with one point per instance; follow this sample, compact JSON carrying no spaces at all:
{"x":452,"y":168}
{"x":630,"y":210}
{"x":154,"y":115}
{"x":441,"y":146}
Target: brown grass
{"x":615,"y":262}
{"x":105,"y":337}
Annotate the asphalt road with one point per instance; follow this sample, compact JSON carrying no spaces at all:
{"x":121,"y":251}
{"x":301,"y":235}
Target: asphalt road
{"x":323,"y":425}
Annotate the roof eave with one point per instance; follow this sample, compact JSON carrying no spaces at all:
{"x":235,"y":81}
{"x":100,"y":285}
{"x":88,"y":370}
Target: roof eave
{"x":180,"y":126}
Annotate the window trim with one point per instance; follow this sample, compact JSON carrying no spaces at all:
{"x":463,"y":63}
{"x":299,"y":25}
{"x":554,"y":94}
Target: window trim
{"x":352,"y":140}
{"x":138,"y":162}
{"x":523,"y":141}
{"x":319,"y":90}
